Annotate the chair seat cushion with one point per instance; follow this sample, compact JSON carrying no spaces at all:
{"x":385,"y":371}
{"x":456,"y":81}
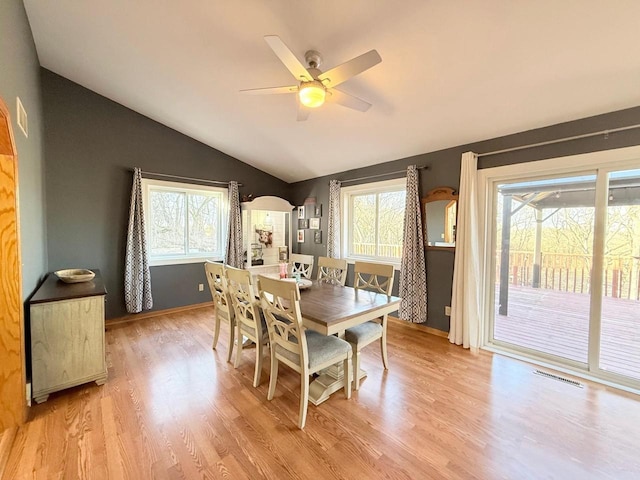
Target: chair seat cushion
{"x":252,"y":331}
{"x":321,"y":348}
{"x":363,"y":333}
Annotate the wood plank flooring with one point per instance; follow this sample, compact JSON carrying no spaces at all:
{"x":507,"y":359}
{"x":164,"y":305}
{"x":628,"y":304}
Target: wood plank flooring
{"x":174,"y":408}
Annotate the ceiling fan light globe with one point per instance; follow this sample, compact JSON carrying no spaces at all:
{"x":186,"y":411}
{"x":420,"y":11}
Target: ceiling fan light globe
{"x":312,"y":94}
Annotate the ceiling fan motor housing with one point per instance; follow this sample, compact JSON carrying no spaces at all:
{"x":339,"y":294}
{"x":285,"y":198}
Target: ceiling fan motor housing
{"x":313,"y":58}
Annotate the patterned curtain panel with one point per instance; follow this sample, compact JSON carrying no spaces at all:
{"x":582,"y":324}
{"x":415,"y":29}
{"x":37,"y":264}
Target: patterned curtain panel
{"x":234,"y":242}
{"x":413,"y":272}
{"x":333,"y":233}
{"x":137,"y":278}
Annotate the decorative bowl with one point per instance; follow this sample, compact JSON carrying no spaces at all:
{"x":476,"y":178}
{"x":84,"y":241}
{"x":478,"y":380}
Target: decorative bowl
{"x":75,"y":275}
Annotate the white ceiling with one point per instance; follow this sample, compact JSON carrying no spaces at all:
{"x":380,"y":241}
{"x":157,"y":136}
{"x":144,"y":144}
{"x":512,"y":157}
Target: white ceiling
{"x":452,"y":72}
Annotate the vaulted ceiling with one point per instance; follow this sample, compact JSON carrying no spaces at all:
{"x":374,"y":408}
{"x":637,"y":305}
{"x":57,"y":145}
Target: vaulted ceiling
{"x":452,"y":72}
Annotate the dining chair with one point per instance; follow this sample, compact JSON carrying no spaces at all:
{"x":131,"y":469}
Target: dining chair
{"x":332,"y":270}
{"x":223,"y":308}
{"x":249,"y":320}
{"x":378,"y":278}
{"x":302,"y":264}
{"x":305,"y":351}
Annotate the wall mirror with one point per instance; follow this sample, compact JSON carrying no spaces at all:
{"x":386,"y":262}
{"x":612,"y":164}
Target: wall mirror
{"x":439,"y":213}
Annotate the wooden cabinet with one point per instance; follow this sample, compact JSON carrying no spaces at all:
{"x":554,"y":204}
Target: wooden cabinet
{"x":67,"y":335}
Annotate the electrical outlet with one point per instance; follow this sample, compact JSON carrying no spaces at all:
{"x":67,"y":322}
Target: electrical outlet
{"x":201,"y":287}
{"x":447,"y":311}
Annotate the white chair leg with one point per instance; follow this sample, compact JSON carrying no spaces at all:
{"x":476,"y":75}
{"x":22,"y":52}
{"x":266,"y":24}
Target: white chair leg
{"x":239,"y":350}
{"x":258,"y":370}
{"x":356,"y":369}
{"x":304,"y":398}
{"x":216,"y":332}
{"x":347,"y":377}
{"x":383,"y":349}
{"x":274,"y":377}
{"x":232,"y":334}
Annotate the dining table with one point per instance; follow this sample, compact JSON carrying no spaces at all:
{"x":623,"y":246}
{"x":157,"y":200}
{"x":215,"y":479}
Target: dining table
{"x":330,"y":309}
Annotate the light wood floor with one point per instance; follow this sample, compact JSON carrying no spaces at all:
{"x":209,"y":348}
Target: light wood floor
{"x":173,"y":408}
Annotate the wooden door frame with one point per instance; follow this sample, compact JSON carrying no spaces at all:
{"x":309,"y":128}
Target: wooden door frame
{"x":13,"y":406}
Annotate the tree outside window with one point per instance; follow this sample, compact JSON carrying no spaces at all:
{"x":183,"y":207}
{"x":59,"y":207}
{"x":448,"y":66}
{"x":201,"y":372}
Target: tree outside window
{"x":374,"y":220}
{"x":185,"y":223}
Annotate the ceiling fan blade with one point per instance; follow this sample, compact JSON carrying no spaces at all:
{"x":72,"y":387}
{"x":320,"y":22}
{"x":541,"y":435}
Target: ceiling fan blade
{"x":287,"y":57}
{"x":353,"y":67}
{"x":271,"y":90}
{"x":346,"y":100}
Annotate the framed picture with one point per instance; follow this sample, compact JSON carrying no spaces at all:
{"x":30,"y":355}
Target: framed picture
{"x":317,"y":236}
{"x":301,"y":212}
{"x":303,"y":223}
{"x":300,"y":236}
{"x":314,"y":223}
{"x":318,"y":212}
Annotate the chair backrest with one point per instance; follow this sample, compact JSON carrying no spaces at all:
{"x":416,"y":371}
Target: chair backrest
{"x":332,"y":270}
{"x":280,"y":301}
{"x":218,"y":286}
{"x":302,"y":264}
{"x":245,"y":303}
{"x":377,"y":277}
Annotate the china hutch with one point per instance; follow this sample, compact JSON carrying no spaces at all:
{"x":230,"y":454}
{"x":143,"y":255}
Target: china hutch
{"x":267,"y":233}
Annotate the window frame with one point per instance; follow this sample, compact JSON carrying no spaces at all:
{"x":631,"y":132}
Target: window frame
{"x":346,"y":194}
{"x":148,"y":185}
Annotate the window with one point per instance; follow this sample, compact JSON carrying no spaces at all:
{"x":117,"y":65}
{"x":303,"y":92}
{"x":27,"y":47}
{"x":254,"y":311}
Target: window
{"x":184,"y":223}
{"x":373,"y":220}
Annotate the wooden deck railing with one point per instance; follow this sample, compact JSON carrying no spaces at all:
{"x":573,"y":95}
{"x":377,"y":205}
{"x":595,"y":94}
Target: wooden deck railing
{"x":369,"y":249}
{"x":572,"y":273}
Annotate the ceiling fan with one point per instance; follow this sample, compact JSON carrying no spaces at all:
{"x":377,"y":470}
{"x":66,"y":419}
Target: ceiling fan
{"x":314,"y":86}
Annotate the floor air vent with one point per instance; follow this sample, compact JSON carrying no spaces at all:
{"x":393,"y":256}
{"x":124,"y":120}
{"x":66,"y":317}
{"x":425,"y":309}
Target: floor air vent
{"x":556,"y":377}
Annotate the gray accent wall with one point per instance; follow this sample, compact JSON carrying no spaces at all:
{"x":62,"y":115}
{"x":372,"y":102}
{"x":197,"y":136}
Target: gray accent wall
{"x":20,"y":77}
{"x":444,"y":170}
{"x":92,"y":145}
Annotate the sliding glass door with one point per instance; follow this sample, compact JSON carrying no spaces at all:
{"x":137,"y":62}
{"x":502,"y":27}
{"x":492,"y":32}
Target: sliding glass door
{"x":619,"y":346}
{"x":564,"y":269}
{"x":544,"y":252}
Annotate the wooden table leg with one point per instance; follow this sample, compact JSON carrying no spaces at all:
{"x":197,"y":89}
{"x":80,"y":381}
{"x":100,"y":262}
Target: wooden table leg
{"x":330,"y":380}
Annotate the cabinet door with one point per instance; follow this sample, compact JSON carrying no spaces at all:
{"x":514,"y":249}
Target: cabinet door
{"x":67,"y":342}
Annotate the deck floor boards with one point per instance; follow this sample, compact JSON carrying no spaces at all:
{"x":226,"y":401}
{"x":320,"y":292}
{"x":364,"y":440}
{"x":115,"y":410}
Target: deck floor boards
{"x":557,"y":323}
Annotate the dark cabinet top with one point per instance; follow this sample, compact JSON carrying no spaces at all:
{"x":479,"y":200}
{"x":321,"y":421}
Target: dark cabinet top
{"x":54,"y":289}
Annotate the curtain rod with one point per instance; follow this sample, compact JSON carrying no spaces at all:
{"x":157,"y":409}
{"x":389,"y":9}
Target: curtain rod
{"x":217,"y":182}
{"x":423,"y":167}
{"x":560,"y":140}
